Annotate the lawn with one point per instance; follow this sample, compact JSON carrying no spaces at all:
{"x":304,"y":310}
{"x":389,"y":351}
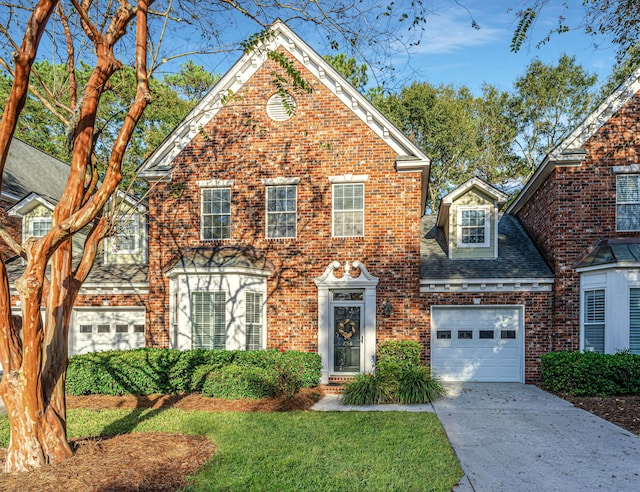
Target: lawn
{"x":329,"y":451}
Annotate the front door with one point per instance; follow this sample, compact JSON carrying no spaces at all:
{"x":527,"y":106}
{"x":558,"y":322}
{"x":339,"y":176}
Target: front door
{"x":347,"y":338}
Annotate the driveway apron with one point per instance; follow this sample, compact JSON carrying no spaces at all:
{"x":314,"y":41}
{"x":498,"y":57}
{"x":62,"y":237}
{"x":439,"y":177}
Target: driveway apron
{"x":516,"y":437}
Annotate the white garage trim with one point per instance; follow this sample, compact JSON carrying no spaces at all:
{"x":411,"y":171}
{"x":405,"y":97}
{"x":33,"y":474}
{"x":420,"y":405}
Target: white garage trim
{"x":478,"y":343}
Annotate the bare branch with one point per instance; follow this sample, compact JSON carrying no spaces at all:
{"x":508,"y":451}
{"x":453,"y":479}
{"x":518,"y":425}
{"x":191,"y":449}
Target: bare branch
{"x":71,"y":64}
{"x":12,"y":243}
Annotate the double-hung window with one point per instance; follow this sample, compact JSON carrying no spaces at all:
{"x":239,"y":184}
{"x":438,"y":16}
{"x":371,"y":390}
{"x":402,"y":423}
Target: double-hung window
{"x":281,"y":211}
{"x":594,"y":320}
{"x":39,"y":226}
{"x":473,"y":227}
{"x":348,"y":209}
{"x":209,"y":324}
{"x":216,"y":213}
{"x":628,"y":202}
{"x":126,"y":237}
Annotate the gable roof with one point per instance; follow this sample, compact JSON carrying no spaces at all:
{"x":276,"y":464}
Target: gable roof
{"x":410,"y":157}
{"x":445,"y":202}
{"x":30,"y":170}
{"x":570,"y":151}
{"x":518,"y":257}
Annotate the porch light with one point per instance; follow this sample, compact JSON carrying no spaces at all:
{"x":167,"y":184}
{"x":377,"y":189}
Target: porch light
{"x":387,"y":309}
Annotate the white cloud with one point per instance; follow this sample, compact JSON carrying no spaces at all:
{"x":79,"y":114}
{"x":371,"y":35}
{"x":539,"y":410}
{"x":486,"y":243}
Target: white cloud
{"x":448,"y":29}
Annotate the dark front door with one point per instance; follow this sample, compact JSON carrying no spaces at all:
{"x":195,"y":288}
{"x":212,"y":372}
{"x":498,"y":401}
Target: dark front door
{"x":347,"y":336}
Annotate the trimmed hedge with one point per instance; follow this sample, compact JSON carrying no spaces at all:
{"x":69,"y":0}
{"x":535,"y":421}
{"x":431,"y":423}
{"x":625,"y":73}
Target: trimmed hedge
{"x":151,"y":371}
{"x":591,"y":374}
{"x":234,"y":382}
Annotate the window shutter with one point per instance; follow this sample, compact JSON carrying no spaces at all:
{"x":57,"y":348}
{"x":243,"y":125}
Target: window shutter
{"x":594,"y":320}
{"x":634,"y":321}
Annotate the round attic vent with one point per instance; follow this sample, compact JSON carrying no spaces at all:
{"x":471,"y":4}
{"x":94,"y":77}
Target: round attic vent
{"x":281,"y":108}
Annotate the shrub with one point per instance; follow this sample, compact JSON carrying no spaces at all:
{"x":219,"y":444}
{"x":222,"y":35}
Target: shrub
{"x":395,"y":355}
{"x":416,"y":384}
{"x":234,"y":382}
{"x":591,"y":374}
{"x":368,"y":389}
{"x":150,"y":370}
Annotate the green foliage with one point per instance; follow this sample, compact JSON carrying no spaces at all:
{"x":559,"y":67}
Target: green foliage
{"x":368,"y":389}
{"x":150,"y":371}
{"x":235,"y":382}
{"x":348,"y":67}
{"x":527,"y":17}
{"x":591,"y":374}
{"x":417,"y":385}
{"x":399,"y":377}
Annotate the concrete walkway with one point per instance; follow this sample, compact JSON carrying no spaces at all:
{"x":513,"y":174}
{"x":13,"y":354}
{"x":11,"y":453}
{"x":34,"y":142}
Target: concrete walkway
{"x":515,"y":437}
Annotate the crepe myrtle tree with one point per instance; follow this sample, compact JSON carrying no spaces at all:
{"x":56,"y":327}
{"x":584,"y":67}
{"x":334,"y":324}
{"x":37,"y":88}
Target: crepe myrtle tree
{"x":109,"y":35}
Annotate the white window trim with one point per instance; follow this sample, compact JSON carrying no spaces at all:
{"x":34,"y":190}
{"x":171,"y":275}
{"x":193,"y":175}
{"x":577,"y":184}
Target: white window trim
{"x":348,"y":178}
{"x":280,"y":181}
{"x":135,"y":220}
{"x":215,"y":183}
{"x":33,"y":220}
{"x":263,"y":321}
{"x":202,"y":191}
{"x":267,"y":213}
{"x":583,"y":323}
{"x":618,"y":174}
{"x":333,"y":210}
{"x":487,"y":226}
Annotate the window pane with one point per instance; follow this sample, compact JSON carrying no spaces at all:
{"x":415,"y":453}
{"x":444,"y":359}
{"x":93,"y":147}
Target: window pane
{"x":628,"y":202}
{"x":348,"y":210}
{"x":594,"y":320}
{"x":473,"y":226}
{"x":40,"y":226}
{"x":216,"y":213}
{"x":281,"y":211}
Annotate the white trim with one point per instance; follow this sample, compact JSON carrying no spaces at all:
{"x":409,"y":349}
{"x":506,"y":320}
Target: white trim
{"x":281,"y":181}
{"x":327,"y":283}
{"x":42,"y":219}
{"x":619,"y":265}
{"x":348,"y":178}
{"x":487,"y":285}
{"x":618,"y":202}
{"x":631,"y":169}
{"x":222,"y":270}
{"x":487,"y":226}
{"x":215,"y":183}
{"x":109,"y":289}
{"x":24,"y":206}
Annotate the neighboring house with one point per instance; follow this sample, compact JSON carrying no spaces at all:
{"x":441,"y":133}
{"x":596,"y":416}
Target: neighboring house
{"x":582,"y":207}
{"x":272,"y":229}
{"x":110,"y":309}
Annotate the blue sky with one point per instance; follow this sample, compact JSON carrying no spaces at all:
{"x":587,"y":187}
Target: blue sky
{"x":452,"y":52}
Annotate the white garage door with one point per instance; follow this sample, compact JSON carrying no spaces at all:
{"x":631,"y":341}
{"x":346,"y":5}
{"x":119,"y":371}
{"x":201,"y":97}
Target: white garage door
{"x":478,"y":343}
{"x":110,"y":328}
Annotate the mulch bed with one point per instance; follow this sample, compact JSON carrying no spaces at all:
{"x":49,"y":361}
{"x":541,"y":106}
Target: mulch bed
{"x":157,"y":461}
{"x":149,"y":461}
{"x":623,"y":411}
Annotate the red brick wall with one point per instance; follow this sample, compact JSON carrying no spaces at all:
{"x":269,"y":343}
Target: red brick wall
{"x":13,"y":225}
{"x":537,"y":320}
{"x":323,"y":139}
{"x":575,"y":207}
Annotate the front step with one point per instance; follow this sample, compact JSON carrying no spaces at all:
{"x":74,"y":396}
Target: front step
{"x":335,"y":386}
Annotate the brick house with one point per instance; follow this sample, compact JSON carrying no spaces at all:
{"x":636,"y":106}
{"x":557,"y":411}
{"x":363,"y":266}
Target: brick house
{"x":582,"y":208}
{"x":305,"y":230}
{"x":273,"y":229}
{"x":109,"y":312}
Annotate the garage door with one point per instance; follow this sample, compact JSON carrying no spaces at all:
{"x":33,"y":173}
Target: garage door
{"x":101,"y":329}
{"x":478,"y":343}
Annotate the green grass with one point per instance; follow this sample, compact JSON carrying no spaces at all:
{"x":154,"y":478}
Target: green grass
{"x":328,"y":451}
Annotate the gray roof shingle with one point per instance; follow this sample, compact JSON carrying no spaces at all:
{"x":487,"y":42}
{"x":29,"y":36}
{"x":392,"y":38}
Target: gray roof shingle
{"x":623,"y":250}
{"x":518,"y":256}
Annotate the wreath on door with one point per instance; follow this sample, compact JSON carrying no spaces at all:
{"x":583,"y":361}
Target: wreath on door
{"x":347,"y":328}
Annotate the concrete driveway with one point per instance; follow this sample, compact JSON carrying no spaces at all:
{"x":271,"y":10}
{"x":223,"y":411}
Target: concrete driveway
{"x":516,"y":437}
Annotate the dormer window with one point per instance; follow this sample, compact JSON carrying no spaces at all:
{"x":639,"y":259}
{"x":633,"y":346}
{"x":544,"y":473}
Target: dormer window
{"x":473,"y":227}
{"x":39,"y":226}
